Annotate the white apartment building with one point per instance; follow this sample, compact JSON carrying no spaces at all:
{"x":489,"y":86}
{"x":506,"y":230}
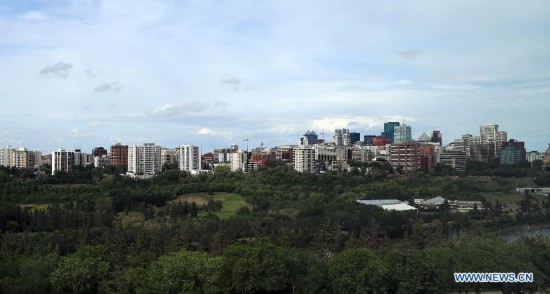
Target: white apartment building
{"x":342,"y":137}
{"x":144,"y":159}
{"x":189,"y":157}
{"x":239,"y":160}
{"x":62,"y":160}
{"x":5,"y":155}
{"x":304,"y":159}
{"x":490,"y":134}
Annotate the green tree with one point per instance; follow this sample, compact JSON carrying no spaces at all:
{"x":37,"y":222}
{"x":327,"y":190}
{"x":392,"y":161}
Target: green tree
{"x":357,"y":271}
{"x":183,"y":272}
{"x":252,"y":268}
{"x":80,"y":275}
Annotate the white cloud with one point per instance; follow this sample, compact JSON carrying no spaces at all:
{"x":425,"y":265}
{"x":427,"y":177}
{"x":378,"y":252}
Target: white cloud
{"x":169,"y":110}
{"x":210,"y":132}
{"x":317,"y":65}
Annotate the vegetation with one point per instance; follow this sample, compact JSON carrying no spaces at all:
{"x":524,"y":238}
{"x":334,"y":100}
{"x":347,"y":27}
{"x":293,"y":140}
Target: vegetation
{"x":273,"y":230}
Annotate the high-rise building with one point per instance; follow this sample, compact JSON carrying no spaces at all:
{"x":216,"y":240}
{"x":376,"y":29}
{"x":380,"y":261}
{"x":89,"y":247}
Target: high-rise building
{"x":482,"y":152}
{"x":62,"y":160}
{"x":428,"y":158}
{"x":402,"y":134}
{"x":169,"y":156}
{"x":354,"y":137}
{"x":454,"y":159}
{"x":99,"y":151}
{"x":5,"y":155}
{"x":309,"y":138}
{"x":35,"y":159}
{"x":82,"y":159}
{"x":406,"y":155}
{"x":389,"y":129}
{"x":490,"y":134}
{"x":284,"y":153}
{"x":19,"y":158}
{"x":239,"y":160}
{"x":304,"y":159}
{"x":222,"y":155}
{"x":512,"y":152}
{"x":144,"y":159}
{"x":369,"y":139}
{"x":190,"y":158}
{"x":342,"y":137}
{"x":437,"y":137}
{"x":119,"y":154}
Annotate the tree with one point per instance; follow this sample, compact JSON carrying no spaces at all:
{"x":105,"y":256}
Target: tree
{"x":80,"y":275}
{"x":357,"y":271}
{"x":252,"y":268}
{"x":183,"y":272}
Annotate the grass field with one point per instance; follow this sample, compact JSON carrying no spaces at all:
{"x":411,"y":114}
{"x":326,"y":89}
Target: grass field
{"x":231,"y":202}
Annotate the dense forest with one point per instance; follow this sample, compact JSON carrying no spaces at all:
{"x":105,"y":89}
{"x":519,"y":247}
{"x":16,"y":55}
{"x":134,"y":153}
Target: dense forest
{"x":95,"y":230}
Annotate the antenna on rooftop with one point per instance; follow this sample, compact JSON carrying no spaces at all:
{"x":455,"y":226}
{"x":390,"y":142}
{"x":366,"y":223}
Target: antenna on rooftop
{"x":246,"y":140}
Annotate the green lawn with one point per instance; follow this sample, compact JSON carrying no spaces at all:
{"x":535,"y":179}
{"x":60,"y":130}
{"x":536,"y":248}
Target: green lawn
{"x":503,"y":198}
{"x":509,"y":198}
{"x":231,"y":203}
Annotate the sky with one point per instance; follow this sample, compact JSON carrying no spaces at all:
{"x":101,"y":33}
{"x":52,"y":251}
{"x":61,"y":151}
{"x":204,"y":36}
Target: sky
{"x":87,"y":73}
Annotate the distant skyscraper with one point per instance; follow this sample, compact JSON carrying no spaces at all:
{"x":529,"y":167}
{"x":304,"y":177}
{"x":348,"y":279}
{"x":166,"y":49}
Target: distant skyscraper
{"x":512,"y":152}
{"x":489,"y":133}
{"x":437,"y":137}
{"x":354,"y":137}
{"x":342,"y":137}
{"x":309,"y":138}
{"x":482,"y":152}
{"x":389,"y":129}
{"x":402,"y":134}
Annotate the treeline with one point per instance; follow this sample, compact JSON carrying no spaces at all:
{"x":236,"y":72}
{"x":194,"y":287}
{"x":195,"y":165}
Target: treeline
{"x":260,"y":267}
{"x":303,"y":233}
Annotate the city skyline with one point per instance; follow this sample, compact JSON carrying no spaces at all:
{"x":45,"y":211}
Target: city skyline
{"x":81,"y":74}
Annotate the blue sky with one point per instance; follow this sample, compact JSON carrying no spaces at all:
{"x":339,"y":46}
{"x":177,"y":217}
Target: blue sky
{"x":79,"y":74}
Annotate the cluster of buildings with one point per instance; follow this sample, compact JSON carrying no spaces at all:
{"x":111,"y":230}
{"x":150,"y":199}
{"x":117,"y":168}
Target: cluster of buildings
{"x":435,"y":203}
{"x":312,"y":154}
